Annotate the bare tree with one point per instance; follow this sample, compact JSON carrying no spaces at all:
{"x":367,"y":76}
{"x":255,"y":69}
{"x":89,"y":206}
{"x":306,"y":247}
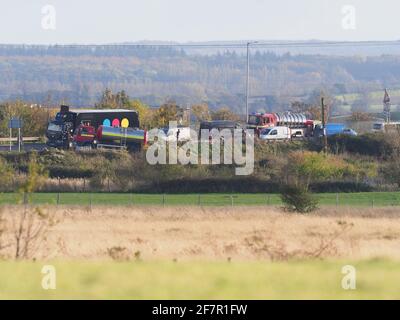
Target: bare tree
{"x":29,"y":228}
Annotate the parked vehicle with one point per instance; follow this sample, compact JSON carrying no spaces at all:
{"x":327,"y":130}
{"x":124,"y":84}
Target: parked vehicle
{"x":297,"y":134}
{"x":332,"y":129}
{"x":60,"y":131}
{"x":260,"y":121}
{"x":177,"y":134}
{"x":276,"y":133}
{"x":386,"y":127}
{"x":219,"y":125}
{"x":350,"y":132}
{"x":109,"y":137}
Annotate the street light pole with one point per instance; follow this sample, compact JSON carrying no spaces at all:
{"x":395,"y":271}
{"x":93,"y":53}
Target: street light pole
{"x":248,"y":79}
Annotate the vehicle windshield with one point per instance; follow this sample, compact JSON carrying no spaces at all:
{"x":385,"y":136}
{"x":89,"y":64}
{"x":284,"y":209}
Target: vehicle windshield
{"x":265,"y":131}
{"x":85,"y":131}
{"x":378,"y":126}
{"x":254,"y":120}
{"x":54,"y":127}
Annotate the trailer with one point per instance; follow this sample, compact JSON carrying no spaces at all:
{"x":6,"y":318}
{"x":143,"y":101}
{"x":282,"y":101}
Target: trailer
{"x":87,"y":137}
{"x":60,"y":131}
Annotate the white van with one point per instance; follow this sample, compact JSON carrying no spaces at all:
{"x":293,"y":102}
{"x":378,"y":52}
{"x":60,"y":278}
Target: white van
{"x":386,"y":127}
{"x":276,"y":133}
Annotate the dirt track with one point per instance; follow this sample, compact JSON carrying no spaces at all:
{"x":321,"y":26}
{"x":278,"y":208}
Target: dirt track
{"x":220,"y":233}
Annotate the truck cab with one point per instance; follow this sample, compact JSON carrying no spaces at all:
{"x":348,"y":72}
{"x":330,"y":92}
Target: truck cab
{"x":259,"y":121}
{"x":58,"y":135}
{"x":84,"y":136}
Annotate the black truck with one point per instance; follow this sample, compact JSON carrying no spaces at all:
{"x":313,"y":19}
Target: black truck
{"x":60,"y":131}
{"x":219,"y":125}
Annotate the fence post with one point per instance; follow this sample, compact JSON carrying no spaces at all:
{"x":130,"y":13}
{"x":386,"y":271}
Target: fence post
{"x":131,"y":199}
{"x":337,"y":200}
{"x":199,"y":200}
{"x":373,"y":202}
{"x":268,"y":200}
{"x":90,"y":202}
{"x":163,"y":200}
{"x":58,"y":198}
{"x":232,"y":201}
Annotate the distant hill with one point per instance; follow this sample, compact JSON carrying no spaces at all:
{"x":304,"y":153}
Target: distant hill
{"x":196,"y":74}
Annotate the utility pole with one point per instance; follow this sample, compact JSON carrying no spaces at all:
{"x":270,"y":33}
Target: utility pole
{"x":189,"y":110}
{"x":248,"y":79}
{"x":386,"y":106}
{"x":19,"y":139}
{"x":10,"y":139}
{"x":325,"y":137}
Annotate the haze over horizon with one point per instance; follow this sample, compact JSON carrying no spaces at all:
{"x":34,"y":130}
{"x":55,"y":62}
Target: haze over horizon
{"x":122,"y":21}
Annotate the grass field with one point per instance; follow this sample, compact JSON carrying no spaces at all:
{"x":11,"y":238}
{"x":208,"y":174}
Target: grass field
{"x":212,"y":234}
{"x":188,"y":252}
{"x":375,"y":279}
{"x":84,"y":199}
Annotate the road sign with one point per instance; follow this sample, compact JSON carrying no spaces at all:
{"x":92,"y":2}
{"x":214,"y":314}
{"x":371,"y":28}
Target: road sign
{"x":15,"y":123}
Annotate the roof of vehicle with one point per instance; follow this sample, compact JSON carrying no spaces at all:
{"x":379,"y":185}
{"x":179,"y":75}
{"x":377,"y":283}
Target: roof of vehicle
{"x":220,"y":123}
{"x":100,"y":110}
{"x":178,"y":127}
{"x":335,"y":125}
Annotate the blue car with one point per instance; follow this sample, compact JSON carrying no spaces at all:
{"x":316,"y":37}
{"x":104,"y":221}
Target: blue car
{"x":333,"y":129}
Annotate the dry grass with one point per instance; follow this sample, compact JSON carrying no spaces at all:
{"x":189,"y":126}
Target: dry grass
{"x":189,"y":233}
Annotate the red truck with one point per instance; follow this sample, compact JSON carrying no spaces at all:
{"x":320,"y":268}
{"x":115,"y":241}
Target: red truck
{"x":260,"y":121}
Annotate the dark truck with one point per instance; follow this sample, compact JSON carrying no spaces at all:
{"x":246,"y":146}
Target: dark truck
{"x":219,"y":125}
{"x":60,"y":131}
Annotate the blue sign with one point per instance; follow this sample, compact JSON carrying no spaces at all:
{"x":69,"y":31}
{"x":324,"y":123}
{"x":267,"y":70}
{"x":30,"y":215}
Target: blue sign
{"x":15,"y":123}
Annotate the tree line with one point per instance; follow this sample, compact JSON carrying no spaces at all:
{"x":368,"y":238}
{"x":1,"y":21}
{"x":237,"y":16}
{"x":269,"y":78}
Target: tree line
{"x":78,"y":76}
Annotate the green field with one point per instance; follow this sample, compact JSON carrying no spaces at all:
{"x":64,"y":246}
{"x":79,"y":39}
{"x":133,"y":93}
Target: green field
{"x":86,"y":199}
{"x":375,"y":279}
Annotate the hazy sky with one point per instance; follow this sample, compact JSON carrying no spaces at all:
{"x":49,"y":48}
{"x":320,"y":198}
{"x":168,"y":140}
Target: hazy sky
{"x":107,"y":21}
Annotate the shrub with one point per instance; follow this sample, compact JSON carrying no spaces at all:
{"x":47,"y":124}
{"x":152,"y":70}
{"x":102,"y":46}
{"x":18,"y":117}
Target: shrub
{"x":305,"y":167}
{"x":65,"y":172}
{"x":298,"y":199}
{"x":6,"y":175}
{"x":119,"y":254}
{"x":341,"y":186}
{"x":371,"y":144}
